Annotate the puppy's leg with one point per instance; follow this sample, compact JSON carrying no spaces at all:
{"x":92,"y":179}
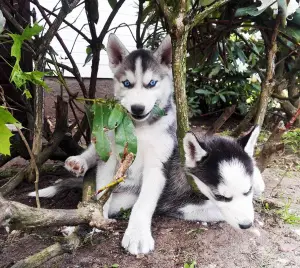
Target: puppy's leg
{"x":80,"y":164}
{"x":138,"y":238}
{"x":206,"y":212}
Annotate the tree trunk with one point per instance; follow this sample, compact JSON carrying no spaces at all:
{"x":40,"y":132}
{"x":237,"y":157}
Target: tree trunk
{"x":179,"y":42}
{"x":269,"y":83}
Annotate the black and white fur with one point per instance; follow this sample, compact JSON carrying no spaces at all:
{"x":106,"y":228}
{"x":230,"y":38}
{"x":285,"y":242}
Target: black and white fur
{"x":155,"y":137}
{"x":222,"y":168}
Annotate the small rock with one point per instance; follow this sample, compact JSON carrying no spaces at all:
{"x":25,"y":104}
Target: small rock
{"x":204,"y":223}
{"x":288,"y":247}
{"x":140,"y":256}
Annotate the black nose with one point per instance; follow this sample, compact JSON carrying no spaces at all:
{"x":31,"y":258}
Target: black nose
{"x":245,"y":226}
{"x":137,"y":109}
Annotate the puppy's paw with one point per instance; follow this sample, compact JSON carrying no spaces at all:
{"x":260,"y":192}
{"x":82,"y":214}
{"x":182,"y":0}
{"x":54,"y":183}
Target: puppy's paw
{"x":77,"y":165}
{"x":138,"y":241}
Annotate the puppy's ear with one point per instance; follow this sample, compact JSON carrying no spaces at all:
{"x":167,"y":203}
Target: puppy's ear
{"x":248,"y":141}
{"x":164,"y":52}
{"x":193,"y":150}
{"x":116,"y":52}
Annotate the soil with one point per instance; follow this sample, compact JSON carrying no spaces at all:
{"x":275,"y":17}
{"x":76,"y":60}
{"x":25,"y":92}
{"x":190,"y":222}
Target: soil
{"x":176,"y":241}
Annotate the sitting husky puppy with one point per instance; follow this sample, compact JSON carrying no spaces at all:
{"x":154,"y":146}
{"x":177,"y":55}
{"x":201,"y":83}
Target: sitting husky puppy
{"x":142,"y":80}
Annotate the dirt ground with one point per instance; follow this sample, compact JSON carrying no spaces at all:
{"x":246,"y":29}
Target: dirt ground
{"x":176,"y":241}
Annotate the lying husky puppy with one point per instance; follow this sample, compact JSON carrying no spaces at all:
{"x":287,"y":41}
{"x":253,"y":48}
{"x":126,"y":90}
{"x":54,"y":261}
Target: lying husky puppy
{"x":225,"y":177}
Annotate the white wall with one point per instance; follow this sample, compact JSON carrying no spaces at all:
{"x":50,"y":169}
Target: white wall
{"x":127,"y":14}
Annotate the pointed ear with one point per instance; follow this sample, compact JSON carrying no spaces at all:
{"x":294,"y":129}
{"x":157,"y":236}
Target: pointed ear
{"x":164,"y":52}
{"x":116,"y":52}
{"x":201,"y":186}
{"x":248,"y":141}
{"x":192,"y":149}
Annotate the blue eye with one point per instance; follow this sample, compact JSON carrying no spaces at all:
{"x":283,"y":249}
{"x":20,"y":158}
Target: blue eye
{"x":126,"y":83}
{"x":152,"y":83}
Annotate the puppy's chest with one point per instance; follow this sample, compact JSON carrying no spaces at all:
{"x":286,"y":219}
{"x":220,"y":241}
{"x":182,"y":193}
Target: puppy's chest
{"x":154,"y":149}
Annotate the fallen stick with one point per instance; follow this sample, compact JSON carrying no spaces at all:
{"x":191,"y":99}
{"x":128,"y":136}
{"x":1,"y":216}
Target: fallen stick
{"x":19,"y":216}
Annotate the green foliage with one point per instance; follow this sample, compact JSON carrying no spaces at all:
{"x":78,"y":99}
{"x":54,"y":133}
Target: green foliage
{"x":5,"y":133}
{"x":190,"y":265}
{"x":292,"y":140}
{"x":124,"y":214}
{"x":287,"y":216}
{"x":108,"y":115}
{"x":19,"y":77}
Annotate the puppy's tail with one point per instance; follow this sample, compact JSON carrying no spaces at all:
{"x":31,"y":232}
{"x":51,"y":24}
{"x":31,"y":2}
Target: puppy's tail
{"x":59,"y":186}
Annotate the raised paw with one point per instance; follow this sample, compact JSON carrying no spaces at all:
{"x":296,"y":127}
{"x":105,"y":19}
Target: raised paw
{"x":76,"y":165}
{"x":138,"y":241}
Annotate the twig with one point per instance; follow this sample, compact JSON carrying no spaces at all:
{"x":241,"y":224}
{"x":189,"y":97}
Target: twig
{"x":37,"y":173}
{"x":112,"y":184}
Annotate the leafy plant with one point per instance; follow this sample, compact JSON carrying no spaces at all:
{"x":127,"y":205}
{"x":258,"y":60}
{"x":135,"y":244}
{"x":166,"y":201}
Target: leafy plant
{"x":190,"y":265}
{"x":108,"y":115}
{"x":292,"y":140}
{"x":19,"y":77}
{"x":5,"y":133}
{"x":287,"y":216}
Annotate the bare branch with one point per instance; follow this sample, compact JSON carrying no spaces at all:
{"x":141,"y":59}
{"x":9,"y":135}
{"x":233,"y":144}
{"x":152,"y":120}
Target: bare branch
{"x":68,"y":23}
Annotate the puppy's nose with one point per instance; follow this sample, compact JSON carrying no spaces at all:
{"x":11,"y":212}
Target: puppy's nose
{"x":137,"y":109}
{"x":245,"y":226}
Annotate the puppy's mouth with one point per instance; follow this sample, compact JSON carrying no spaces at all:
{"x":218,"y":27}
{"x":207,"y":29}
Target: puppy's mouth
{"x":140,"y":117}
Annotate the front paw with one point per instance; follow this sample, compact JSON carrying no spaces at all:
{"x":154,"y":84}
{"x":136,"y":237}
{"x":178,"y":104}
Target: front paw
{"x":77,"y":165}
{"x":138,"y":241}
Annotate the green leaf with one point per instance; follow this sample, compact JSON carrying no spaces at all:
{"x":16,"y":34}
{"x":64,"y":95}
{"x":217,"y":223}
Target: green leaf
{"x":203,"y":92}
{"x":112,"y":3}
{"x":101,"y":114}
{"x":240,"y":53}
{"x":215,"y":99}
{"x":16,"y":47}
{"x":116,"y":117}
{"x":158,"y":111}
{"x":125,"y":135}
{"x":115,"y":265}
{"x":29,"y":32}
{"x":5,"y":134}
{"x":88,"y":58}
{"x":186,"y":265}
{"x":206,"y":2}
{"x":293,"y":32}
{"x":250,"y":10}
{"x":222,"y":97}
{"x":214,"y":71}
{"x":89,"y":111}
{"x":27,"y":94}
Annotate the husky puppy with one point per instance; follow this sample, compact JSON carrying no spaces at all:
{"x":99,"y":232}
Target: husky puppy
{"x":222,"y":169}
{"x":142,"y":79}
